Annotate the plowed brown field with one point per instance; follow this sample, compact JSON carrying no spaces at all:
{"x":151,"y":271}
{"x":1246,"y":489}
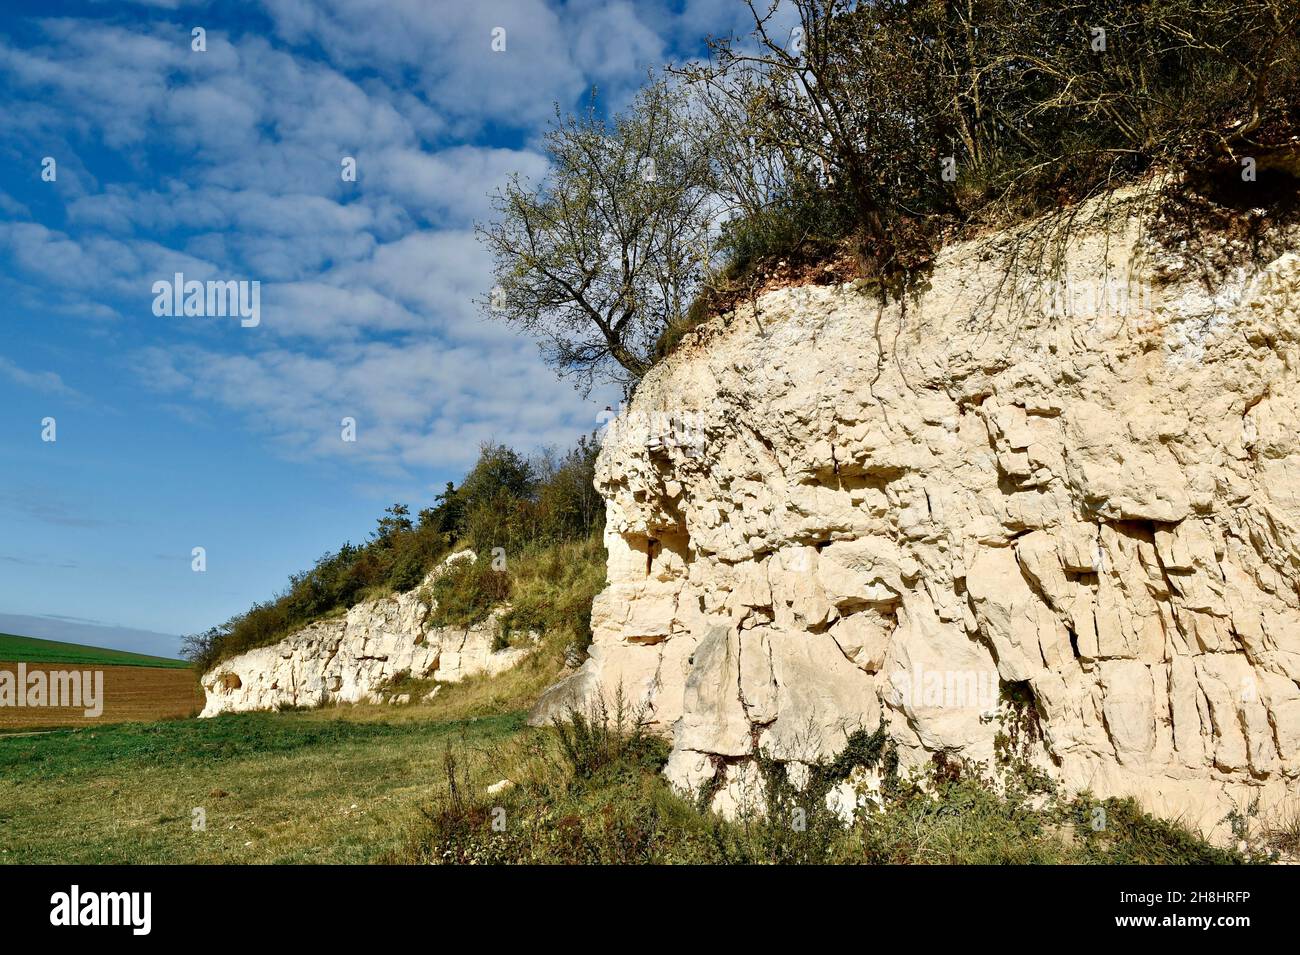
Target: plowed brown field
{"x":131,"y":694}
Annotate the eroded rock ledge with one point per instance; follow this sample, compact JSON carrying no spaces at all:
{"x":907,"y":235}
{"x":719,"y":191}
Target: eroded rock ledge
{"x":866,"y":511}
{"x":349,"y":659}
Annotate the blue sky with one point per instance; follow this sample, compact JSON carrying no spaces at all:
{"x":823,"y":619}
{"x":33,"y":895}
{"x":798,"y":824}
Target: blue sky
{"x":177,"y":432}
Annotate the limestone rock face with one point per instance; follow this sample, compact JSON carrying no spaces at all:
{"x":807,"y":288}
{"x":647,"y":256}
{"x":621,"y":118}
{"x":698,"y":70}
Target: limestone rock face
{"x":346,"y":659}
{"x":825,"y":510}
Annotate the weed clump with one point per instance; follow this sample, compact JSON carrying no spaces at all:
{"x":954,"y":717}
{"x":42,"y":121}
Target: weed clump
{"x":592,"y":791}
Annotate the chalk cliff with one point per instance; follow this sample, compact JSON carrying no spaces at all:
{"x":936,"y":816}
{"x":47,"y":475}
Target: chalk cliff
{"x":350,"y":658}
{"x":1076,"y":483}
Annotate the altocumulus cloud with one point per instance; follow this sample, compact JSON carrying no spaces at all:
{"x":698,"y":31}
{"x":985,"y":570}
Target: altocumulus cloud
{"x":418,"y":405}
{"x":226,"y":164}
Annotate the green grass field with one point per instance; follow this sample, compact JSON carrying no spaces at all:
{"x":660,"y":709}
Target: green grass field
{"x":338,"y":785}
{"x":16,"y":649}
{"x":378,"y":783}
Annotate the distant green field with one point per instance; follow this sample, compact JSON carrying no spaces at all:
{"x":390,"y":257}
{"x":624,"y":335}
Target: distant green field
{"x":15,"y":649}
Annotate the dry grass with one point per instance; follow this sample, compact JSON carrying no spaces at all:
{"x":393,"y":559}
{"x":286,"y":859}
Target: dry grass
{"x":1281,"y":833}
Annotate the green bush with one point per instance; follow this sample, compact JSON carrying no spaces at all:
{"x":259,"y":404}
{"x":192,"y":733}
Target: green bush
{"x":607,"y":739}
{"x":804,"y":224}
{"x":466,"y":592}
{"x":1118,"y":832}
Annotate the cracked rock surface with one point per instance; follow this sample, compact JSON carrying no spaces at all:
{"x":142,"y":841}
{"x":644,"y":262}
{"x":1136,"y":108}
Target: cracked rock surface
{"x":836,"y":511}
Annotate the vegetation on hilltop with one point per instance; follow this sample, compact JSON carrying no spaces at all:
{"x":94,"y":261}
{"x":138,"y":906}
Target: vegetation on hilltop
{"x":531,"y":514}
{"x":871,"y":133}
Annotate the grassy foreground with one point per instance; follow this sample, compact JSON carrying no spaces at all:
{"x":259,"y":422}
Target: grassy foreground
{"x":411,"y":785}
{"x":592,"y":792}
{"x":463,"y":779}
{"x":338,"y":784}
{"x":322,"y":786}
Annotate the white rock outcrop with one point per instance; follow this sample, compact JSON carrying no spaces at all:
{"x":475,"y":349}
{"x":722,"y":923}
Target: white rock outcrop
{"x":349,"y":658}
{"x":826,"y":511}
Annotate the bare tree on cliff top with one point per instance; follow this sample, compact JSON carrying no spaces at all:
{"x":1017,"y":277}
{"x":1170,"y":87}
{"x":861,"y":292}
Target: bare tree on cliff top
{"x":610,"y":249}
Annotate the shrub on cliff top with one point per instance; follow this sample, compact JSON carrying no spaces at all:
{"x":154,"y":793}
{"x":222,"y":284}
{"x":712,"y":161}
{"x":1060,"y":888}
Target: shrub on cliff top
{"x":912,"y":118}
{"x":879,"y":130}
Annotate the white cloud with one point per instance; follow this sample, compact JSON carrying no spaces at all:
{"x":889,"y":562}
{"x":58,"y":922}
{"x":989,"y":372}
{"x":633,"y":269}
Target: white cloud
{"x":435,"y":273}
{"x":324,"y":311}
{"x":453,"y":185}
{"x":418,"y":404}
{"x":44,"y":381}
{"x":117,"y":77}
{"x":444,"y":48}
{"x":97,"y":264}
{"x":369,"y":288}
{"x":12,"y":207}
{"x":614,"y":45}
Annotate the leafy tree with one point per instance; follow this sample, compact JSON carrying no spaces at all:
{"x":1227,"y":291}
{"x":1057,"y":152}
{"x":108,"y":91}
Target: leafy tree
{"x":499,"y":470}
{"x":396,"y":519}
{"x":445,"y":514}
{"x":567,"y":502}
{"x":611,"y":248}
